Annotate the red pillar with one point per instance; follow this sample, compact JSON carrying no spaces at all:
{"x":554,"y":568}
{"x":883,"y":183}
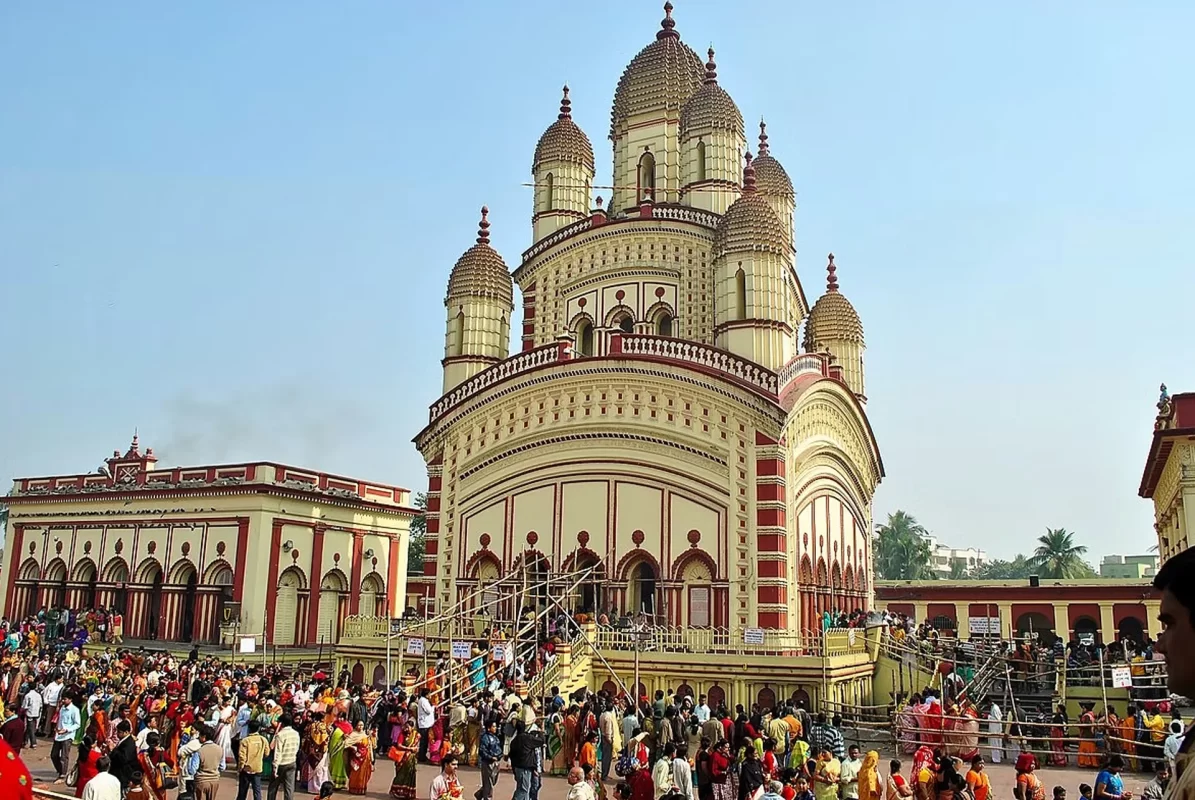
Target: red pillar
{"x":317,"y":573}
{"x":355,"y":579}
{"x":271,"y":575}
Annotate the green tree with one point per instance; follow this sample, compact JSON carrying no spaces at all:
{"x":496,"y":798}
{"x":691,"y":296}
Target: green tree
{"x":418,"y":543}
{"x":999,"y":570}
{"x":1058,"y":557}
{"x":958,"y":571}
{"x":902,"y":549}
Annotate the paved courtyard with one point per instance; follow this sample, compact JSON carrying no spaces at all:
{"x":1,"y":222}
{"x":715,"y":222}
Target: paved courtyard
{"x":1002,"y":776}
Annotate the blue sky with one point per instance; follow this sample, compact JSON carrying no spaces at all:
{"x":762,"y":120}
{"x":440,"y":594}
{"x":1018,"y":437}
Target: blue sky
{"x":230,"y":224}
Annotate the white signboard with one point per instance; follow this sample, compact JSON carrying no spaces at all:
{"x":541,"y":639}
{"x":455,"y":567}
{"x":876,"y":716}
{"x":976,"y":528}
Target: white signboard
{"x":984,"y":626}
{"x":498,"y":653}
{"x":753,"y":636}
{"x":414,"y":647}
{"x":462,"y":650}
{"x":1122,"y":678}
{"x":248,"y":644}
{"x":850,"y":637}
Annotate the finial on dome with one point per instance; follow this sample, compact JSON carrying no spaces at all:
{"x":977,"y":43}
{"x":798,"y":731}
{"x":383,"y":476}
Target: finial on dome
{"x":748,"y":175}
{"x":566,"y":105}
{"x":763,"y":138}
{"x":483,"y":228}
{"x":599,"y":201}
{"x":831,"y":276}
{"x":711,"y":69}
{"x":667,"y":24}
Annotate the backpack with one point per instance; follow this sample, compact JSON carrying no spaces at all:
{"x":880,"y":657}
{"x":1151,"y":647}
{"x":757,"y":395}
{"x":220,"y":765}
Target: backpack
{"x":625,"y":764}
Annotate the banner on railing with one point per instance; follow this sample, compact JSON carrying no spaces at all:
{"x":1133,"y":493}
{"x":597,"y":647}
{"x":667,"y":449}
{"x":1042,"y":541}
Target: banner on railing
{"x":414,"y":647}
{"x":1122,"y":678}
{"x":462,"y":650}
{"x":753,"y":636}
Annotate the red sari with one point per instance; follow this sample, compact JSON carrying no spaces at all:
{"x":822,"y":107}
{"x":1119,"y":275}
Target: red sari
{"x":87,"y":771}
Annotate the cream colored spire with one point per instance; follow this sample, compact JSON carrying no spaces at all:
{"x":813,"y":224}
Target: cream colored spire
{"x":479,"y":303}
{"x":563,"y":171}
{"x":834,"y":325}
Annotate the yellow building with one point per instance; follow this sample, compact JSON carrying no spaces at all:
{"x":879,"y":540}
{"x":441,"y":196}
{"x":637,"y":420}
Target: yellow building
{"x":296,"y":551}
{"x":664,"y":422}
{"x":1169,"y":477}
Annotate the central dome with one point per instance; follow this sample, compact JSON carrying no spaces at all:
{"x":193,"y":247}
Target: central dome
{"x":661,"y":77}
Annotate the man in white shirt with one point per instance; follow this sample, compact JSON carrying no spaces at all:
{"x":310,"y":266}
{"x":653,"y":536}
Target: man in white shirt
{"x":50,"y":696}
{"x":32,"y":706}
{"x":608,"y":723}
{"x":702,"y":712}
{"x":104,"y":785}
{"x":848,"y":776}
{"x":578,"y":787}
{"x":425,"y":720}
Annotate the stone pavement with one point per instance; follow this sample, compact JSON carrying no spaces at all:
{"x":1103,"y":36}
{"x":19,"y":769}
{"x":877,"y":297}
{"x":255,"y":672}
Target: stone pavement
{"x":1002,"y":776}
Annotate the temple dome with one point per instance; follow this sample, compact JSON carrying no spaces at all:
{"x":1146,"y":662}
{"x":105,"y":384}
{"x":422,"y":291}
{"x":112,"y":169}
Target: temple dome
{"x":750,"y":223}
{"x":833,"y":318}
{"x":661,"y":77}
{"x":711,"y":106}
{"x":480,"y":271}
{"x":564,"y":141}
{"x":770,"y":175}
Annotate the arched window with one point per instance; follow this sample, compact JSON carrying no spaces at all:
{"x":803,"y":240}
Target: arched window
{"x":740,"y":294}
{"x":647,"y":177}
{"x":664,"y":325}
{"x":700,"y":160}
{"x":626,"y":325}
{"x":643,"y":589}
{"x":549,"y":193}
{"x":456,"y":342}
{"x":585,"y":338}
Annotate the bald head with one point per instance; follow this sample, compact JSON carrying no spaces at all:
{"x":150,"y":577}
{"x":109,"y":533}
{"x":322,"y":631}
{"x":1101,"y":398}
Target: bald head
{"x":575,"y":776}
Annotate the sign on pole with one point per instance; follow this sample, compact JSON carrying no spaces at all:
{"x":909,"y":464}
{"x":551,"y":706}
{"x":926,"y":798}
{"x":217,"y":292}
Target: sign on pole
{"x":498,"y":654}
{"x":1122,"y":678}
{"x":414,"y":647}
{"x":984,"y":626}
{"x":248,"y":644}
{"x":462,"y":650}
{"x":753,"y":636}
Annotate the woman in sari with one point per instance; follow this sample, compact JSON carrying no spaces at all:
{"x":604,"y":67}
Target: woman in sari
{"x":337,"y":764}
{"x":315,"y":753}
{"x":556,"y":743}
{"x":358,"y":750}
{"x":570,"y":739}
{"x":1088,"y":752}
{"x":403,"y":754}
{"x":1058,"y":738}
{"x":472,"y":734}
{"x":869,"y":777}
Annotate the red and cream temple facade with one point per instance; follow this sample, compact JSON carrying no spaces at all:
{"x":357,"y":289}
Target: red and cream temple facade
{"x":664,"y":421}
{"x":1169,"y":476}
{"x":299,"y":550}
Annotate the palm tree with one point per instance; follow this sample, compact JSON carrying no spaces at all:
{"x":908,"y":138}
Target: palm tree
{"x":902,"y":549}
{"x":1057,"y":555}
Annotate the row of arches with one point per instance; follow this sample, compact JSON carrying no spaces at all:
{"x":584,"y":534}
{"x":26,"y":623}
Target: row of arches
{"x":837,"y":589}
{"x":691,"y":594}
{"x":296,"y":622}
{"x":660,"y":319}
{"x":174,"y":606}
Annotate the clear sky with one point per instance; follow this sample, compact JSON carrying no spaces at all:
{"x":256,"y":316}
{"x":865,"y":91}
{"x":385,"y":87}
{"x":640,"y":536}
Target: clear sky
{"x":230,"y":224}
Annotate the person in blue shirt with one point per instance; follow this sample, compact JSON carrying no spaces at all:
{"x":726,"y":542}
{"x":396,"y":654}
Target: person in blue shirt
{"x":1108,"y":785}
{"x":490,"y":753}
{"x":64,"y":736}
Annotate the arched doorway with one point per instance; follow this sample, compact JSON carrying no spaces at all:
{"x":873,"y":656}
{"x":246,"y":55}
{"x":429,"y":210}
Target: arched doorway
{"x":716,"y":696}
{"x":1131,"y":630}
{"x":642,"y":589}
{"x":55,"y":584}
{"x":219,"y":577}
{"x":150,"y":576}
{"x":800,"y":698}
{"x":185,"y":580}
{"x":371,"y":591}
{"x":1087,"y":630}
{"x":765,"y":699}
{"x":86,"y":575}
{"x":592,"y":589}
{"x":697,"y":581}
{"x":379,"y":676}
{"x":538,"y":573}
{"x":117,"y":574}
{"x":487,"y":572}
{"x":331,"y":588}
{"x":286,"y":606}
{"x":358,"y":673}
{"x":1033,"y":622}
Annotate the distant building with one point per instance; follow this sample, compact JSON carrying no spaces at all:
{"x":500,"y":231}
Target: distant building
{"x":1145,"y":566}
{"x":944,"y":557}
{"x":1169,"y":477}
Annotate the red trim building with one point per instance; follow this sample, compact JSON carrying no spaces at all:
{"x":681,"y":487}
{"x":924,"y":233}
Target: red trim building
{"x":182,"y":552}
